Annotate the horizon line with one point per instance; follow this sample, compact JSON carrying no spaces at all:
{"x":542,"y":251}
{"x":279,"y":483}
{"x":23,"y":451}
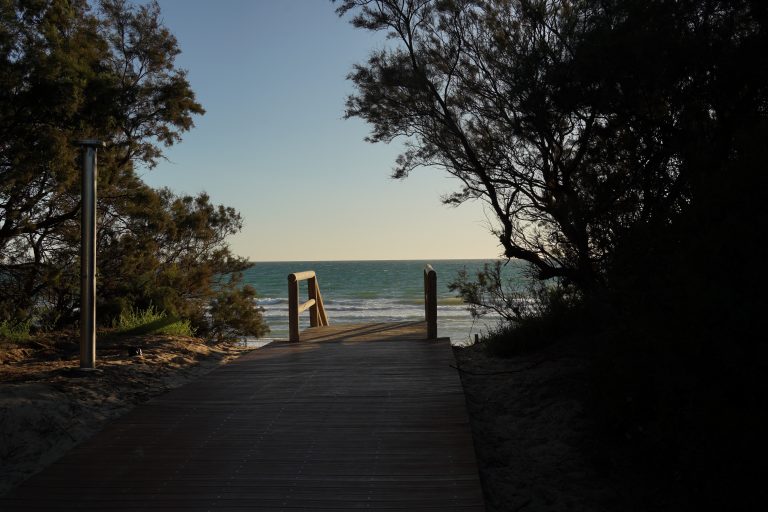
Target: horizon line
{"x":380,"y":260}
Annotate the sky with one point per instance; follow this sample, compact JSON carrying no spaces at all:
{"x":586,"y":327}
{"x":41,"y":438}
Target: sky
{"x":273,"y":144}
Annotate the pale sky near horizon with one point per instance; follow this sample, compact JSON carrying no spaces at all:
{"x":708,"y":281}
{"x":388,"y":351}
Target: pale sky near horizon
{"x":271,"y":75}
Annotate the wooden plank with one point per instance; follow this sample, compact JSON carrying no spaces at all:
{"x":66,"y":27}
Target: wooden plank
{"x":367,"y":416}
{"x":301,"y":276}
{"x":323,"y":316}
{"x":314,"y":317}
{"x":306,"y":305}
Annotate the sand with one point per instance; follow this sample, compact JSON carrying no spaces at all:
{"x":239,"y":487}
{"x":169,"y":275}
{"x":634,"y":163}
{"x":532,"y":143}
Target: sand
{"x":533,"y":441}
{"x":47,"y":406}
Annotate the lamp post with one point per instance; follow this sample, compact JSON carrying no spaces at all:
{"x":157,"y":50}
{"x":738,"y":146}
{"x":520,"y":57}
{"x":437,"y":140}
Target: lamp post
{"x":88,"y":253}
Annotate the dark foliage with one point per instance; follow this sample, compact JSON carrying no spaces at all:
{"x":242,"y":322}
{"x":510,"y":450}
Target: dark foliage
{"x":68,"y":72}
{"x":620,"y":145}
{"x":493,"y":92}
{"x":232,"y":312}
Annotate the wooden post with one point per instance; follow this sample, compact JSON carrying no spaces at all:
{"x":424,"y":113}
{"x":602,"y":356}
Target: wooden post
{"x":322,"y":315}
{"x":293,"y":308}
{"x":317,"y":315}
{"x":430,"y":301}
{"x":314,"y":314}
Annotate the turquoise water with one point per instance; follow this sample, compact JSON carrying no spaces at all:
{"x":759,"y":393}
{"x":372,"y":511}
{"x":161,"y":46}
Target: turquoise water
{"x":372,"y":291}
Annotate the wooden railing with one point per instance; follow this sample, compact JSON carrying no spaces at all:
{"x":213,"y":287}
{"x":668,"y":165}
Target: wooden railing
{"x":317,"y":316}
{"x":430,"y":301}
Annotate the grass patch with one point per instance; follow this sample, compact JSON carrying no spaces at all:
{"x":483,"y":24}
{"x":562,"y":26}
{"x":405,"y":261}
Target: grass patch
{"x":15,"y":333}
{"x":150,"y":321}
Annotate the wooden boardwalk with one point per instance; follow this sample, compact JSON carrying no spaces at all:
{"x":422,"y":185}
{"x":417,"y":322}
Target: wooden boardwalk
{"x":353,"y":417}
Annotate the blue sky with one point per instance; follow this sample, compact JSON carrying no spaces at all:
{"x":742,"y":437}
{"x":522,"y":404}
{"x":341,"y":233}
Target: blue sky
{"x":272,"y":76}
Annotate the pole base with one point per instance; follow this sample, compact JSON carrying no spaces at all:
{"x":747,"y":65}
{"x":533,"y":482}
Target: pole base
{"x":78,"y":372}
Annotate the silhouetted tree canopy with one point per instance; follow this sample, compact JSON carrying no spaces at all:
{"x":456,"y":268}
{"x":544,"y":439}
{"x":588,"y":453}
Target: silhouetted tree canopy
{"x":578,"y":122}
{"x":71,"y":70}
{"x":620,"y":145}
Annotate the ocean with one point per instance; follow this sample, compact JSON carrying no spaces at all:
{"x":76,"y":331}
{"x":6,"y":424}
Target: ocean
{"x":373,"y":291}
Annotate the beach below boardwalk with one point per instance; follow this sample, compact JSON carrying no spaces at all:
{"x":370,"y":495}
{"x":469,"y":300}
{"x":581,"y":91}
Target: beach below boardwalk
{"x":47,"y":405}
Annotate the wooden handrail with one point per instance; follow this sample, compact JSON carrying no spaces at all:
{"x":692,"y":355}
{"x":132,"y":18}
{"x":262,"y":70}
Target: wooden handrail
{"x":317,"y":315}
{"x":430,"y":301}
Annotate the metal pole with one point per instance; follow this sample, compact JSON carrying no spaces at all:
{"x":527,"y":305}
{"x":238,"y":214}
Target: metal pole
{"x":88,"y":254}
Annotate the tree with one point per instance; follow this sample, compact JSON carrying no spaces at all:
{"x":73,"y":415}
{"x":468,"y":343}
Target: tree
{"x":153,"y":99}
{"x":171,"y":253}
{"x":621,"y":147}
{"x":43,"y":75}
{"x":476,"y":88}
{"x":578,"y":122}
{"x":68,"y":72}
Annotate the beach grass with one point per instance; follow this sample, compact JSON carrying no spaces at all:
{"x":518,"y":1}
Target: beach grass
{"x":15,"y":333}
{"x":151,"y":321}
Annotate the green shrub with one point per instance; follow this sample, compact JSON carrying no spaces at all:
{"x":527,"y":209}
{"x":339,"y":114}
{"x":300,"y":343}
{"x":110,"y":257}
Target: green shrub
{"x":15,"y":332}
{"x":137,"y":321}
{"x":234,"y":314}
